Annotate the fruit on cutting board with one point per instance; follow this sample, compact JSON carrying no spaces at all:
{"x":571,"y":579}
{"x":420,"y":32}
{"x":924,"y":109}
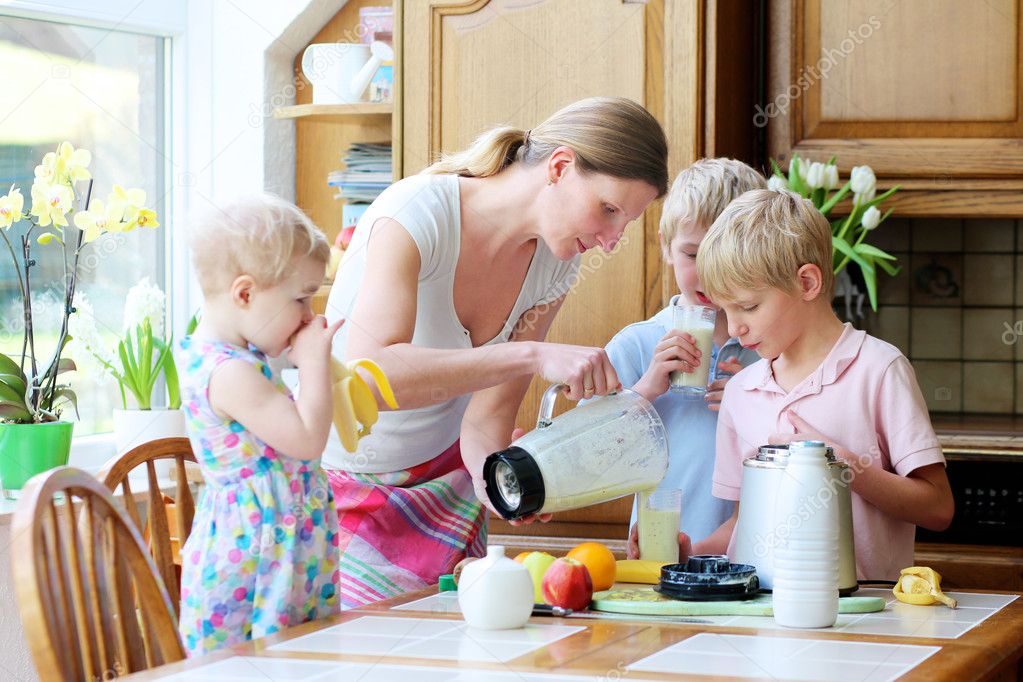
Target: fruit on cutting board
{"x":638,"y":571}
{"x":567,"y":584}
{"x":537,"y":564}
{"x":921,"y":586}
{"x":599,"y":561}
{"x":521,"y":556}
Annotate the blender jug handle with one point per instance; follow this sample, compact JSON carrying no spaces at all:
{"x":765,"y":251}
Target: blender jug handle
{"x":550,"y":396}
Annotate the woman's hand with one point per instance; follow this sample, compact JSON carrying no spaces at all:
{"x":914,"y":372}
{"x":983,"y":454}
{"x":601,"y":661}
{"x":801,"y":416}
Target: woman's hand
{"x":716,"y":390}
{"x":480,"y":487}
{"x":676,"y":351}
{"x":586,"y":371}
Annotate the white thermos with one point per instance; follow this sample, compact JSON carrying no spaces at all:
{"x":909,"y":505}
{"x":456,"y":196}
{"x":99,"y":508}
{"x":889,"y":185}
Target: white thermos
{"x":806,"y":560}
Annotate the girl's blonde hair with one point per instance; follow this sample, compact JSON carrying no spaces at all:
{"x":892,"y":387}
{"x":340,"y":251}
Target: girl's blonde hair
{"x":701,"y":192}
{"x":609,"y":135}
{"x":761,"y":240}
{"x":259,"y":236}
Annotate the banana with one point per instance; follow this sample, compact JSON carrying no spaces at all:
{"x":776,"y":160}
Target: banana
{"x":366,"y":410}
{"x":921,"y":586}
{"x":638,"y":571}
{"x":379,"y":377}
{"x":344,"y":414}
{"x":355,"y":406}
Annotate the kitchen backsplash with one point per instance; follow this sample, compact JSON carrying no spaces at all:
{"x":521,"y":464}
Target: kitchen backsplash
{"x":955,"y":309}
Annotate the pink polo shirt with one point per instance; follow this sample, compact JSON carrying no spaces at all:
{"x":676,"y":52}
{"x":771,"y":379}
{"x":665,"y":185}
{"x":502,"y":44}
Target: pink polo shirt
{"x":864,"y":396}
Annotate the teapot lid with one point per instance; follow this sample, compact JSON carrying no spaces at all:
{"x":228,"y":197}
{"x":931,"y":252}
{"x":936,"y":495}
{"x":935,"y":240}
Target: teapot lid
{"x":514,"y":483}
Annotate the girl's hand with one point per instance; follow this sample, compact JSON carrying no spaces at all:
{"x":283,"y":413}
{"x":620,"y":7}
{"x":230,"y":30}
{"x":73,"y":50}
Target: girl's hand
{"x":311,"y":343}
{"x":586,"y":371}
{"x":716,"y":390}
{"x":676,"y":351}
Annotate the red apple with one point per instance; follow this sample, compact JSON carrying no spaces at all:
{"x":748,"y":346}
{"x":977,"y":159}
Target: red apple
{"x":567,"y":584}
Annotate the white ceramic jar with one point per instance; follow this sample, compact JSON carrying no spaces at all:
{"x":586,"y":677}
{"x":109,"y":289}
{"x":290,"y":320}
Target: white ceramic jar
{"x":495,"y":593}
{"x":805,"y":591}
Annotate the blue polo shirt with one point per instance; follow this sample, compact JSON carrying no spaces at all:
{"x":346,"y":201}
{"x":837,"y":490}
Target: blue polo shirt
{"x":690,"y":425}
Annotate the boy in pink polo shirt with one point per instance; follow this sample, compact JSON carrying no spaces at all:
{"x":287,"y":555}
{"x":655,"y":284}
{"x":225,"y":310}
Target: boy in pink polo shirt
{"x":767,"y":261}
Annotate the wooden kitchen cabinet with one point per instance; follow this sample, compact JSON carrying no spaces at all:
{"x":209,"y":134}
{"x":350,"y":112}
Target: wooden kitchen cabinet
{"x":927,"y":92}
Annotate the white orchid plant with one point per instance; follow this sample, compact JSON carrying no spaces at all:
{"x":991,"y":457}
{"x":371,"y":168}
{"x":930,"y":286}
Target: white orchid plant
{"x":143,"y":351}
{"x":819,"y":182}
{"x":29,"y":392}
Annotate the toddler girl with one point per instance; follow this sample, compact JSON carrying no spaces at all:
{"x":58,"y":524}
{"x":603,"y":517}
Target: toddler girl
{"x":263,"y":553}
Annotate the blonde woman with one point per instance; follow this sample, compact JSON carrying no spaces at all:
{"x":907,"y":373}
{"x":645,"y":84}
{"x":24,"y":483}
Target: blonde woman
{"x":451,"y":282}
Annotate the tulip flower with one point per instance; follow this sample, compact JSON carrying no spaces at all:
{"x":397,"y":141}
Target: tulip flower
{"x":830,"y":176}
{"x":864,"y":184}
{"x":815,"y":175}
{"x":776,"y":183}
{"x":871,"y":218}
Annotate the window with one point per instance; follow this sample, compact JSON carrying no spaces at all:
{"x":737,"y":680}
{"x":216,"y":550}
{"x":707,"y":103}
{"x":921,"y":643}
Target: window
{"x":104,"y":90}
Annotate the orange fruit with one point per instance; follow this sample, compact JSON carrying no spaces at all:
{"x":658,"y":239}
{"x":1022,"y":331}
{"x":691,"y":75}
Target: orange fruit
{"x":521,"y":555}
{"x":599,"y":561}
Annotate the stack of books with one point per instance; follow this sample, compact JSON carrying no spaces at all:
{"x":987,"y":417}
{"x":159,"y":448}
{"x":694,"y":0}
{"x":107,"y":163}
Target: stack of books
{"x":367,"y":172}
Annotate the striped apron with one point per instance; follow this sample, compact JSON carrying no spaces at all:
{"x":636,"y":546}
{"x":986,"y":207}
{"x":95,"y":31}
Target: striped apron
{"x":401,"y":530}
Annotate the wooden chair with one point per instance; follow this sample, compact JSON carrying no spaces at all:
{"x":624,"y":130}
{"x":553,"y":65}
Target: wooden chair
{"x":91,"y":602}
{"x":168,"y":524}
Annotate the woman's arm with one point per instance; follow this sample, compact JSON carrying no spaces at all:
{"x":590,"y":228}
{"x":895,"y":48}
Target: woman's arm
{"x":383,"y":320}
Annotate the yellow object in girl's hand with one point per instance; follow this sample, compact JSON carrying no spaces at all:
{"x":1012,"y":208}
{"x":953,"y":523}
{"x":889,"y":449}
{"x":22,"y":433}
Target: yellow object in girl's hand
{"x":355,"y":406}
{"x":921,"y":586}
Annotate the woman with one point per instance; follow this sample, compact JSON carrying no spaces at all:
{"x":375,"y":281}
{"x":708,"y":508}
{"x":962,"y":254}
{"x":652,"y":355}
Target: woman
{"x":451,"y":282}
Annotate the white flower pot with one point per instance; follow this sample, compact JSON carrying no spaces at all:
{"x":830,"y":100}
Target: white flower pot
{"x":135,"y":427}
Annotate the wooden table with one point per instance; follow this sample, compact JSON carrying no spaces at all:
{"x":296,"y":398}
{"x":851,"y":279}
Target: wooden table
{"x":993,"y":650}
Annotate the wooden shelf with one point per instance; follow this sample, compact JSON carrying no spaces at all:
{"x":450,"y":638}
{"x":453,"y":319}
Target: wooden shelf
{"x":334,"y":110}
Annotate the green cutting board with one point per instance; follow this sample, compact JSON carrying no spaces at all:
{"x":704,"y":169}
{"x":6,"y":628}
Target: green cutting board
{"x":645,"y":601}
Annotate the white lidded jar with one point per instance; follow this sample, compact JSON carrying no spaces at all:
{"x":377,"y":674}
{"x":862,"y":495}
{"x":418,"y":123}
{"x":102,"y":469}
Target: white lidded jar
{"x":495,"y":593}
{"x":806,"y":523}
{"x":604,"y":449}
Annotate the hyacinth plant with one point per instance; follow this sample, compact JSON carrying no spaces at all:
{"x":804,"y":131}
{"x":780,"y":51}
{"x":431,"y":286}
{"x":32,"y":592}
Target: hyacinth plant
{"x":143,"y":350}
{"x":29,"y":391}
{"x":818,"y":182}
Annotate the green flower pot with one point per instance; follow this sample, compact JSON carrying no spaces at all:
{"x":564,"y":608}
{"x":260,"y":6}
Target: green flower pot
{"x":29,"y":449}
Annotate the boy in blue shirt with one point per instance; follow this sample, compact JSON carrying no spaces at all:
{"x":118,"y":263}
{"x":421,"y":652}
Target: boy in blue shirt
{"x":645,"y":353}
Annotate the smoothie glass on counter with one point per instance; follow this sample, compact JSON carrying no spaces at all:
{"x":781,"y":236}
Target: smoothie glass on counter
{"x":698,"y":321}
{"x":659,"y":517}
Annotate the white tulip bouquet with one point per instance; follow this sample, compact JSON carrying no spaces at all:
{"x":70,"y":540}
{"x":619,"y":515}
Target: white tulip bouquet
{"x":818,"y":182}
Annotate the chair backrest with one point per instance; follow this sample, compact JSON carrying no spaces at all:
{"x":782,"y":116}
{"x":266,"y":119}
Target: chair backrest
{"x":114,"y":474}
{"x":92,"y":604}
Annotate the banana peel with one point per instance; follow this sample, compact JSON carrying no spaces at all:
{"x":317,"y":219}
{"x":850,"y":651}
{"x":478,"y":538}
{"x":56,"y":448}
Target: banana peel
{"x":921,"y":586}
{"x":355,"y":406}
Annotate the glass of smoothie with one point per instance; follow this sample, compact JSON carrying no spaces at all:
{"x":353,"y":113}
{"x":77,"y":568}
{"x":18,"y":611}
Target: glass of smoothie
{"x":698,"y":321}
{"x":660,"y":514}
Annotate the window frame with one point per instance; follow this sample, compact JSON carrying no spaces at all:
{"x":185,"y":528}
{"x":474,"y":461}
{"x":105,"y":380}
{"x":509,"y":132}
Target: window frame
{"x":167,"y":20}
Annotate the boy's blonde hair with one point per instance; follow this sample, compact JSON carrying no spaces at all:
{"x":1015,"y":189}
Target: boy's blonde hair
{"x":761,"y":240}
{"x":701,"y":192}
{"x":258,"y":235}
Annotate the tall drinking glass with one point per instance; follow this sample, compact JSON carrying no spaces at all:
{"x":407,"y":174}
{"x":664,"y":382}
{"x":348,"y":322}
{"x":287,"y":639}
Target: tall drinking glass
{"x":660,"y":514}
{"x":698,"y":321}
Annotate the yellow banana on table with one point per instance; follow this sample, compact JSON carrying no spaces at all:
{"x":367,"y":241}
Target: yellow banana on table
{"x":921,"y":586}
{"x":355,"y":406}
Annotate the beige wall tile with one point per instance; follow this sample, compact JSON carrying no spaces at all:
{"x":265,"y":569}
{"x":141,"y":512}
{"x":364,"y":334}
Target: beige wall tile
{"x":1019,"y":388}
{"x":995,"y":236}
{"x":982,"y":333}
{"x":987,"y":387}
{"x":936,"y":279}
{"x":895,"y":290}
{"x":891,"y":324}
{"x":941,"y":384}
{"x":934,"y":234}
{"x":891,"y":235}
{"x":987,"y":280}
{"x":935,"y":334}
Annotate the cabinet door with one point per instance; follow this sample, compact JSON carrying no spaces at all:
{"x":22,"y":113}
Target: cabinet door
{"x":927,"y":92}
{"x":473,"y":64}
